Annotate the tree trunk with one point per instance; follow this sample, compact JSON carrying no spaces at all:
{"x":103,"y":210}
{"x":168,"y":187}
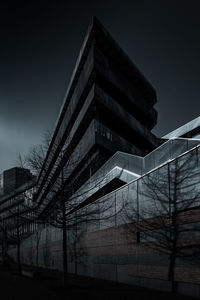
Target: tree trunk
{"x":75,"y":249}
{"x":76,"y":264}
{"x":171,"y":272}
{"x":37,"y":250}
{"x":4,"y":249}
{"x":64,"y":246}
{"x":18,"y":251}
{"x":174,"y":232}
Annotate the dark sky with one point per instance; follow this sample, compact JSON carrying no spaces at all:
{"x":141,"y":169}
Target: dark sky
{"x":39,"y":44}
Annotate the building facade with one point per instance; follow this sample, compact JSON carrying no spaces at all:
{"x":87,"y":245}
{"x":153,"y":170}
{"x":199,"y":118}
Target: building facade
{"x":132,"y":195}
{"x":109,"y":107}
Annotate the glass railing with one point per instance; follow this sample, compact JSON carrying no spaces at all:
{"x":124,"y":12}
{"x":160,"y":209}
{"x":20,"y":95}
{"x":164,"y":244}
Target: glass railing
{"x":154,"y":193}
{"x":167,"y":151}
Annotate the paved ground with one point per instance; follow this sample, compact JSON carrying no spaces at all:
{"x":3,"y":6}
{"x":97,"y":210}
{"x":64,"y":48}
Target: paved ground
{"x":13,"y":286}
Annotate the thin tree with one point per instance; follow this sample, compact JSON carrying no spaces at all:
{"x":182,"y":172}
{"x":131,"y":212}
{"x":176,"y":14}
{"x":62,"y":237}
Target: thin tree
{"x":69,"y":212}
{"x":35,"y":157}
{"x":163,"y":218}
{"x":4,"y":243}
{"x":62,"y":201}
{"x":37,"y":234}
{"x":19,"y":223}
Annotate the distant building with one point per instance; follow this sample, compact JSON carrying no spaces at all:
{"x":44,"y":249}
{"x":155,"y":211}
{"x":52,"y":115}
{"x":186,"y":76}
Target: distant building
{"x":13,"y":178}
{"x":1,"y":184}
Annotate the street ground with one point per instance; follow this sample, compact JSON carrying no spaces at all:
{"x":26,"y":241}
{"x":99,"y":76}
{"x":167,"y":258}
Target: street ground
{"x":48,"y":286}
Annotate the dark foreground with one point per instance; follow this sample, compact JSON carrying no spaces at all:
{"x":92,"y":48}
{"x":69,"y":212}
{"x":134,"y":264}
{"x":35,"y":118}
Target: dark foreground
{"x":13,"y":286}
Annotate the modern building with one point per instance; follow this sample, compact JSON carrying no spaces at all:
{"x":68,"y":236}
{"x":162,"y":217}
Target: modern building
{"x":109,"y":107}
{"x":104,"y":161}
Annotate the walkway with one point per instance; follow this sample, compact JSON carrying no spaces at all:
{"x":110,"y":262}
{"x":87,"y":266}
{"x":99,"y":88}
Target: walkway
{"x":49,"y":287}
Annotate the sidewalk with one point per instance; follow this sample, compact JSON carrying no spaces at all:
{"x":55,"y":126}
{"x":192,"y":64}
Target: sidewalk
{"x":49,"y":287}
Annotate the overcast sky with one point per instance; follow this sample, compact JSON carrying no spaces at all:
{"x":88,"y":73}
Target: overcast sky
{"x":40,"y":43}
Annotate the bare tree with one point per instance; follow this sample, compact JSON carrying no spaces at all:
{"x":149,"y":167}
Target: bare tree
{"x":76,"y":250}
{"x":34,"y":159}
{"x":4,"y":243}
{"x":21,"y":161}
{"x":37,"y":234}
{"x":20,"y":222}
{"x":72,"y":210}
{"x":63,"y":200}
{"x":163,"y":216}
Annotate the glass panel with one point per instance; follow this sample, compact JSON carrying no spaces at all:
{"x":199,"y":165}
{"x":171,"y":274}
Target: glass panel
{"x":93,"y":217}
{"x":126,"y":204}
{"x":178,"y":146}
{"x":184,"y":182}
{"x":107,"y":213}
{"x":192,"y":143}
{"x":131,"y":162}
{"x":149,"y":162}
{"x":162,"y":154}
{"x":153,"y":191}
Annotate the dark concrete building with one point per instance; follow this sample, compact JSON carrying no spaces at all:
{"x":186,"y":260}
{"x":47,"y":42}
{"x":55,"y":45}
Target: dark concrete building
{"x":14,"y":178}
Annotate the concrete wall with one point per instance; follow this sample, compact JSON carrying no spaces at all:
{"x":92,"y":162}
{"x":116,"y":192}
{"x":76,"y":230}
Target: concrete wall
{"x":111,"y":254}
